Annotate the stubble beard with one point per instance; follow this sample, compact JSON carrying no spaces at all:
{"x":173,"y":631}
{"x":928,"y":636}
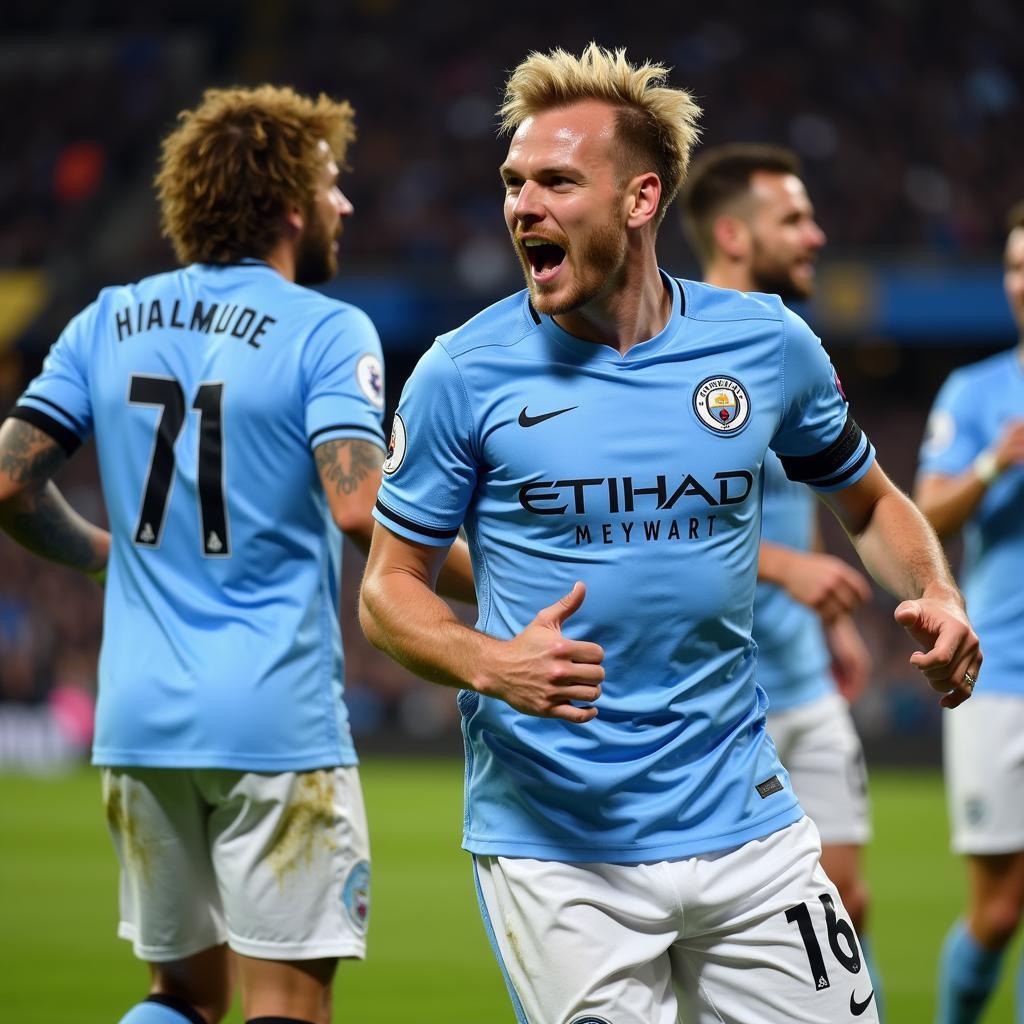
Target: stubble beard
{"x":602,"y":259}
{"x":315,"y":261}
{"x":776,"y":278}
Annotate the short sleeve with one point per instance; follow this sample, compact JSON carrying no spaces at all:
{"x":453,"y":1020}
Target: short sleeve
{"x":818,"y":441}
{"x":431,"y":470}
{"x":952,"y":436}
{"x":59,"y":401}
{"x":343,"y":380}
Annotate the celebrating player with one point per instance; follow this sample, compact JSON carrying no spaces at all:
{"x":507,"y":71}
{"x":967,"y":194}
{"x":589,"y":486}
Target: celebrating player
{"x":972,"y":477}
{"x":235,"y":413}
{"x":637,"y":845}
{"x":753,"y":226}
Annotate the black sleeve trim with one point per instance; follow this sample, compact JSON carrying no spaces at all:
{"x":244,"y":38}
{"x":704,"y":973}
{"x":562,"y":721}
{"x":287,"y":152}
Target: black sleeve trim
{"x":67,"y":439}
{"x":807,"y":468}
{"x":362,"y":428}
{"x":59,"y":408}
{"x":408,"y":524}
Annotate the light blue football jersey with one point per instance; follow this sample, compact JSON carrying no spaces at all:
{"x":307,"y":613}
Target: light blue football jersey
{"x":207,"y":390}
{"x":969,"y":414}
{"x":639,"y":474}
{"x":792,"y":657}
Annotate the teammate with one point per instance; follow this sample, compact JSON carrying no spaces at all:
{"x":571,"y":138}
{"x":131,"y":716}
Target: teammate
{"x":235,"y":414}
{"x":638,"y":848}
{"x":753,"y":226}
{"x":972,"y":477}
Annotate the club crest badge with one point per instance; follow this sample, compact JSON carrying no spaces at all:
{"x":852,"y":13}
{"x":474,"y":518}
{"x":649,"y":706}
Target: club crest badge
{"x":396,"y":447}
{"x":722,"y":405}
{"x":356,"y":895}
{"x":370,"y":376}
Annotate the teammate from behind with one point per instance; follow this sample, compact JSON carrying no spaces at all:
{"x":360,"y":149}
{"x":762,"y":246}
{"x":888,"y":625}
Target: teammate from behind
{"x":236,"y":413}
{"x":639,"y":852}
{"x":753,"y":227}
{"x":971,"y":477}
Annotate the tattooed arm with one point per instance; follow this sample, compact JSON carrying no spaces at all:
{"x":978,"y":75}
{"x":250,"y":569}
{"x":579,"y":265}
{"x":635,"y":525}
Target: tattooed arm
{"x":34,"y":512}
{"x":350,"y":473}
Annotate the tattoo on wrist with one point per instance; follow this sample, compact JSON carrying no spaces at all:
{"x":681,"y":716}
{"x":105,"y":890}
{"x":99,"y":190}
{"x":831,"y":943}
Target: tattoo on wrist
{"x":346,"y":464}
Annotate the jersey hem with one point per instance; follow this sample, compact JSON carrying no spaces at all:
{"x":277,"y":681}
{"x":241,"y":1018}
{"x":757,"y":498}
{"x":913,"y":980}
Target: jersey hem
{"x":632,"y":854}
{"x":104,"y":758}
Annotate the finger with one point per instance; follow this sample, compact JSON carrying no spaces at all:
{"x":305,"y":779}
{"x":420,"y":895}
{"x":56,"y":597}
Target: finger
{"x":584,"y":694}
{"x":555,"y":614}
{"x":571,"y":713}
{"x":583,"y":652}
{"x":944,"y":652}
{"x":861,"y":586}
{"x":908,"y":615}
{"x":964,"y":687}
{"x":578,"y":675}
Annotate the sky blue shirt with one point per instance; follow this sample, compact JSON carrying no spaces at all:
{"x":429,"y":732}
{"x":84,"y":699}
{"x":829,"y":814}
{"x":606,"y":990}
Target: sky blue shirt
{"x":792,"y":657}
{"x":639,"y":474}
{"x":969,"y":414}
{"x":207,"y":389}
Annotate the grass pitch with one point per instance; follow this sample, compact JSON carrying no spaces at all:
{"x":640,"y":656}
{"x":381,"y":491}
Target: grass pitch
{"x":429,"y":960}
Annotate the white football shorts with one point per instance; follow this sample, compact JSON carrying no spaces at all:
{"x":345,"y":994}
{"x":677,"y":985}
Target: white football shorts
{"x":819,"y":745}
{"x":983,"y":751}
{"x":275,"y":864}
{"x":754,"y":934}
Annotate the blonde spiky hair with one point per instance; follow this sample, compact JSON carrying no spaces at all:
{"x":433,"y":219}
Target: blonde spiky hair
{"x":656,"y":125}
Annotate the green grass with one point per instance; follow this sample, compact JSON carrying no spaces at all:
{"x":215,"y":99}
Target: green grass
{"x":429,"y":960}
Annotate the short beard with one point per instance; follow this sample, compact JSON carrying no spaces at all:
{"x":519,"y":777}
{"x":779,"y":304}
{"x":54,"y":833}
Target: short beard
{"x":603,"y":258}
{"x":315,"y":261}
{"x":775,"y":278}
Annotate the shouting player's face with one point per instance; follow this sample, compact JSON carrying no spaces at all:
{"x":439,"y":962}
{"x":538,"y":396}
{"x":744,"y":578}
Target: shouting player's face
{"x":785,"y":238}
{"x":316,"y":258}
{"x":565,"y":205}
{"x":1013,"y":275}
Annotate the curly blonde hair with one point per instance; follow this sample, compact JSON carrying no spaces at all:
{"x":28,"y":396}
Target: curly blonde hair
{"x":234,"y":165}
{"x":656,"y":126}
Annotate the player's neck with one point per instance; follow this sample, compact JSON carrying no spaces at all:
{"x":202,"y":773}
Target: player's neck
{"x":633,"y":312}
{"x":282,"y":258}
{"x":726,"y":274}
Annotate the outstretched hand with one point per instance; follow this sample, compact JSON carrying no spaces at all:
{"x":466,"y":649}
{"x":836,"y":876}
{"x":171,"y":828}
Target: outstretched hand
{"x":541,"y":672}
{"x":951,"y":659}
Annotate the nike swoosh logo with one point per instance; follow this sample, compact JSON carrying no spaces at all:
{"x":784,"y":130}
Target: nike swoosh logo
{"x":858,"y":1008}
{"x":526,"y":420}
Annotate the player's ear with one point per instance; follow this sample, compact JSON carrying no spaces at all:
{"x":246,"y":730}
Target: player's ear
{"x":642,"y":196}
{"x":732,"y":236}
{"x":294,"y":221}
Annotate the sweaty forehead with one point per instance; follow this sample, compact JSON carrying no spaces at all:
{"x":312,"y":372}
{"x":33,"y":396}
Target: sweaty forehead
{"x":578,"y":133}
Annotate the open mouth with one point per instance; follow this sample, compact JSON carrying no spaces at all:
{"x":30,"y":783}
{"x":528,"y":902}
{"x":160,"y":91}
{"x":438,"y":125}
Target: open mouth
{"x":545,"y":257}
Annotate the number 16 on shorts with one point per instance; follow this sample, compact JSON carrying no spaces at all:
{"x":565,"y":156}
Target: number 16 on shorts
{"x":836,"y":929}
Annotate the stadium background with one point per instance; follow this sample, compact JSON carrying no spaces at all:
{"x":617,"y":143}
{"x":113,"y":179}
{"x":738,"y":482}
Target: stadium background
{"x":907,"y":116}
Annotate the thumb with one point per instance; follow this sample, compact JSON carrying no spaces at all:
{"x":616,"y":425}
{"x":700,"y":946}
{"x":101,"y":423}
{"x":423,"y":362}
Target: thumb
{"x":555,"y":614}
{"x":908,"y":614}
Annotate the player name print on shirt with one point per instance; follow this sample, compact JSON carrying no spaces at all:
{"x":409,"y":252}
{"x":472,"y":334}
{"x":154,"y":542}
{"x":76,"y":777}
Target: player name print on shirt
{"x":242,"y":322}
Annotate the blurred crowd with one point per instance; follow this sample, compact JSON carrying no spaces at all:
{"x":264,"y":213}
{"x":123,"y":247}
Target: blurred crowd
{"x":904,"y":111}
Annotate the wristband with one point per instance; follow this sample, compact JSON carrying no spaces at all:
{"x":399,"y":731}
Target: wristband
{"x":985,"y":466}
